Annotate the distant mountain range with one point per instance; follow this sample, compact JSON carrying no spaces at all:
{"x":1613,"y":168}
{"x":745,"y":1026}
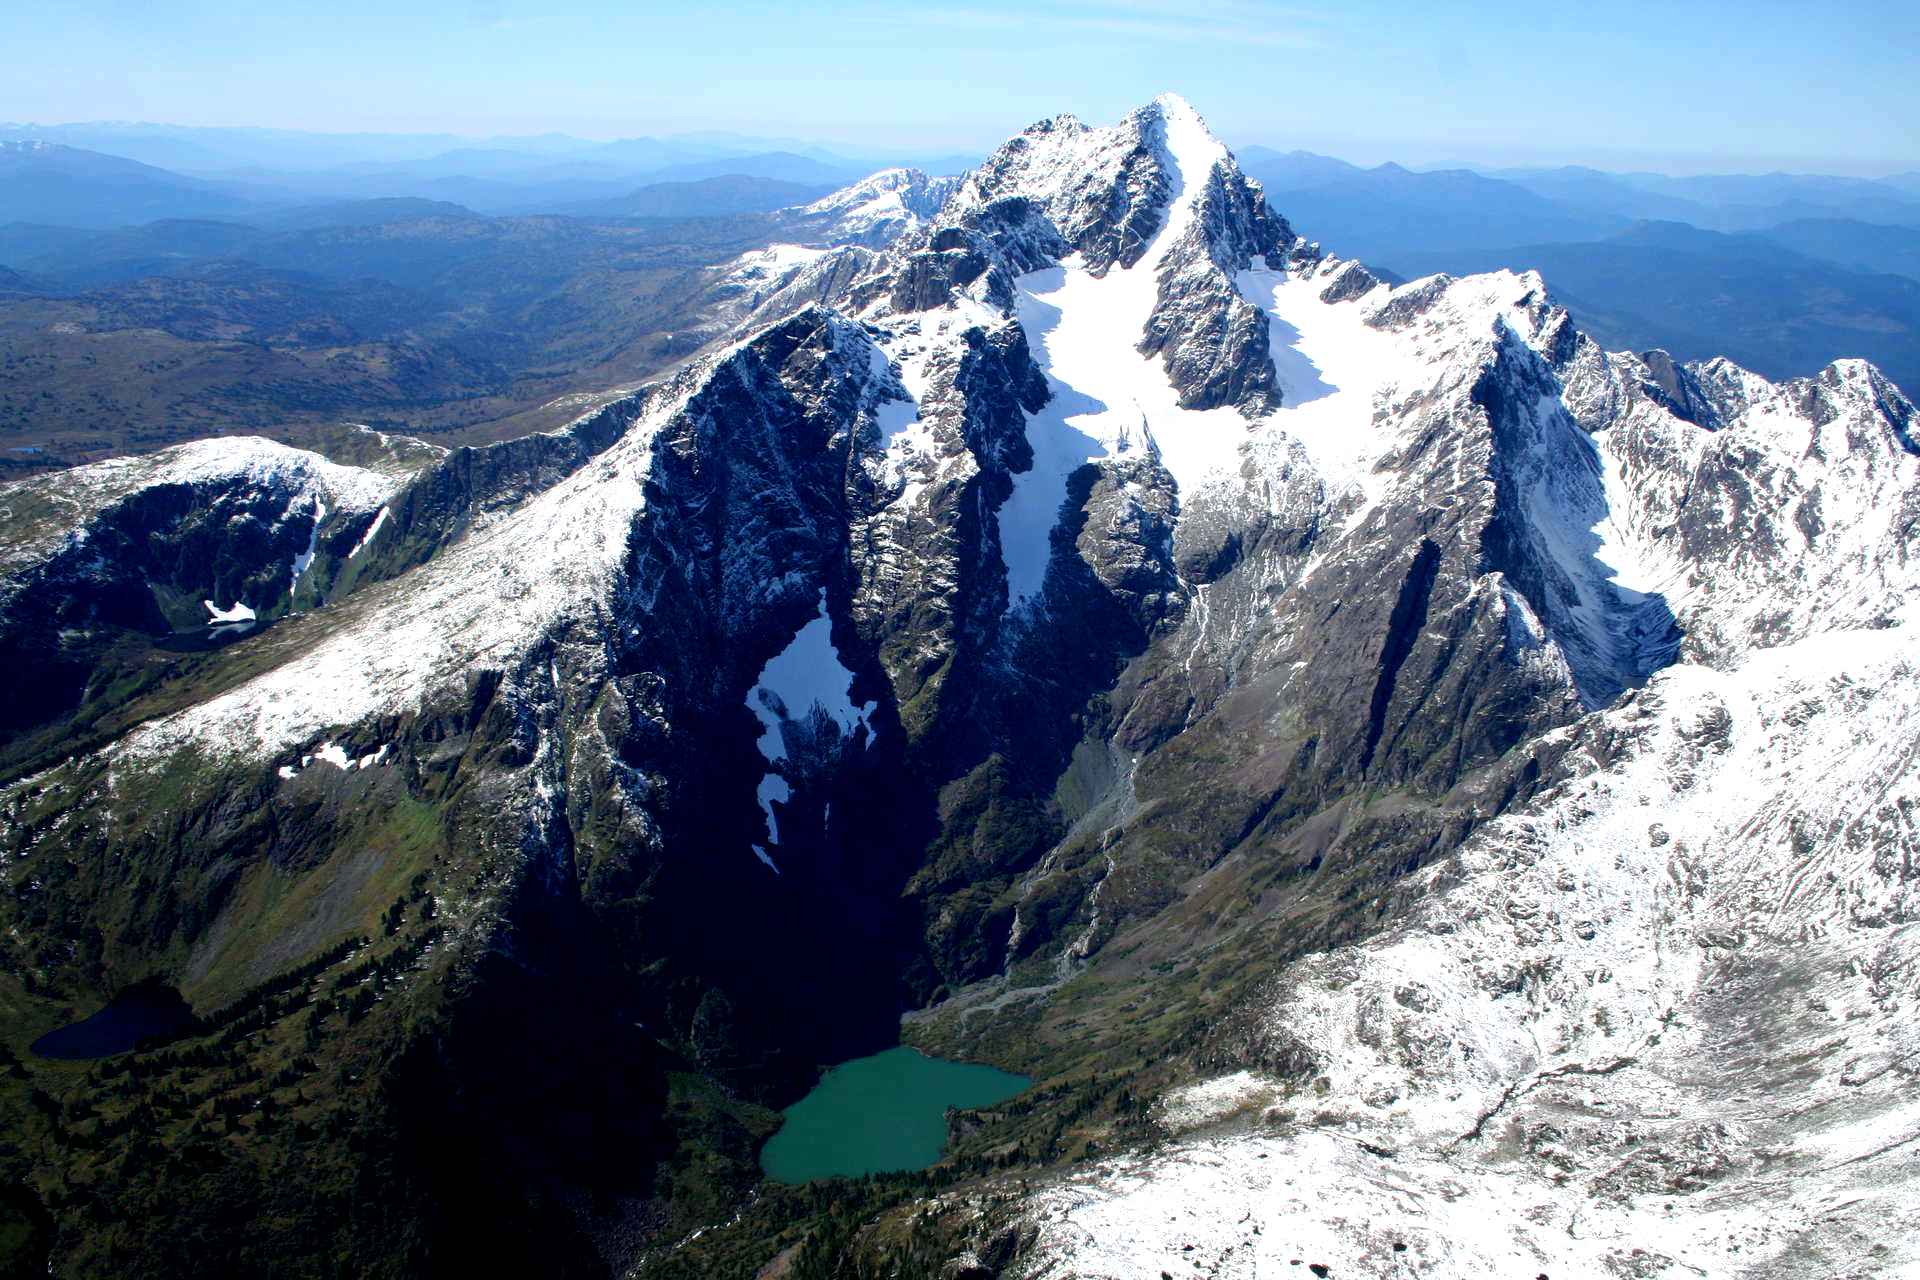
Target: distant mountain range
{"x":176,"y":171}
{"x":1866,"y":246}
{"x":202,"y":149}
{"x":1373,"y":213}
{"x":703,"y":197}
{"x":1723,"y":202}
{"x":48,"y":182}
{"x":1781,"y":272}
{"x":1390,"y":209}
{"x":1802,"y":268}
{"x":229,"y":170}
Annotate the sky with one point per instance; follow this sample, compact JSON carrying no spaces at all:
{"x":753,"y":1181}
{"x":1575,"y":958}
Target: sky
{"x":1679,"y":87}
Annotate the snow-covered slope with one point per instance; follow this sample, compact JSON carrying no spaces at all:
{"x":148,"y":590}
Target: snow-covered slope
{"x":489,"y":598}
{"x":196,"y":543}
{"x":1658,"y":1020}
{"x":1107,"y":397}
{"x":56,"y":508}
{"x":878,"y":209}
{"x":1761,"y":512}
{"x":1658,"y":1024}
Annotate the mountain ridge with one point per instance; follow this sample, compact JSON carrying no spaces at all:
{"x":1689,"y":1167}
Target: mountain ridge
{"x":1214,"y":607}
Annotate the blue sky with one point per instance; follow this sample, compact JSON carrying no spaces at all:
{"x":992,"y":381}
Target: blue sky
{"x":1703,"y":86}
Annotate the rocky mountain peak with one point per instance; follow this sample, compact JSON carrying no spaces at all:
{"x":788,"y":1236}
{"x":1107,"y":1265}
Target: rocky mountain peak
{"x":877,"y":210}
{"x":1107,"y":191}
{"x":1081,"y":573}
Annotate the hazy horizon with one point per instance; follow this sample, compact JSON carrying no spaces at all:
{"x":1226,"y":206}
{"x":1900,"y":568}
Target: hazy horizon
{"x":1726,"y":89}
{"x":1430,"y":157}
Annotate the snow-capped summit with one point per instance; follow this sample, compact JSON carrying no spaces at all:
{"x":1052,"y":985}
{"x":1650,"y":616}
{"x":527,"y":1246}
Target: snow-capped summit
{"x":898,"y":191}
{"x":877,"y":209}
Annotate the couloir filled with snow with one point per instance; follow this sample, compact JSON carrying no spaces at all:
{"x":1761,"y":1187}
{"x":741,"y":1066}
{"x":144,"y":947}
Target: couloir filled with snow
{"x":803,"y":686}
{"x":1108,"y":399}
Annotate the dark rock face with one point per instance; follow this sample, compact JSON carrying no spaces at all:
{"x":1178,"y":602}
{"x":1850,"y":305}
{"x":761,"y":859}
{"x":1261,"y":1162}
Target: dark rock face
{"x":1017,"y":233}
{"x":1350,"y":282}
{"x":1214,"y":341}
{"x":1676,"y":389}
{"x":1404,"y":625}
{"x":440,"y":504}
{"x":1108,"y":210}
{"x":928,"y":280}
{"x":929,"y":590}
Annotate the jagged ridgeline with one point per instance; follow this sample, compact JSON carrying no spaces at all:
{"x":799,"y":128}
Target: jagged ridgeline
{"x":1285,"y":713}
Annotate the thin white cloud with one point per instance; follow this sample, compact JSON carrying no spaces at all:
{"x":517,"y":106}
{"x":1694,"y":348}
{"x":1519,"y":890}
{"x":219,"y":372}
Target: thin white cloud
{"x":1219,"y":12}
{"x":1151,"y":20}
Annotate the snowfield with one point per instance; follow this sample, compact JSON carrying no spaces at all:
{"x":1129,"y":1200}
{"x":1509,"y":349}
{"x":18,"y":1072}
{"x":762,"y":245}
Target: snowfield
{"x":1661,"y":1024}
{"x":234,"y":613}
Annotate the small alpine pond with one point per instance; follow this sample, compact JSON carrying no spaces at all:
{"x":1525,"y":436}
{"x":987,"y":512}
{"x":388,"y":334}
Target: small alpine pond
{"x":143,"y":1013}
{"x":881,"y":1114}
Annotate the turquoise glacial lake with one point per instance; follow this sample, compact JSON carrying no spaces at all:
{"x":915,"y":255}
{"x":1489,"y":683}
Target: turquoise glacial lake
{"x":882,"y":1114}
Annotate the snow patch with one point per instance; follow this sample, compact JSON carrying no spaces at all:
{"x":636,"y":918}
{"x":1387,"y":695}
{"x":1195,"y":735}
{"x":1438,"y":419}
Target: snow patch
{"x":1211,"y":1101}
{"x":332,"y":753}
{"x":806,"y":679}
{"x":807,"y":674}
{"x":335,"y":754}
{"x":303,"y":561}
{"x":772,"y":788}
{"x":373,"y":531}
